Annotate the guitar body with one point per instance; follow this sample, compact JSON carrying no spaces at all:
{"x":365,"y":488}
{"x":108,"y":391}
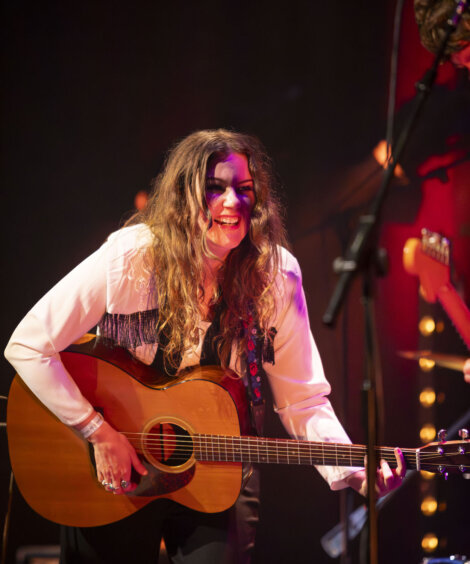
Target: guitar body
{"x":53,"y":465}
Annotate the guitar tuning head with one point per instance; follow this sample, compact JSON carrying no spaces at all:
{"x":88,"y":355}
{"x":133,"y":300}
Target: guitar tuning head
{"x":463,"y":434}
{"x":442,"y":435}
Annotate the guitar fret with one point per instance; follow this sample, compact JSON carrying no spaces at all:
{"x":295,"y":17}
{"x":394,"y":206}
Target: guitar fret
{"x":264,"y":451}
{"x":235,"y":449}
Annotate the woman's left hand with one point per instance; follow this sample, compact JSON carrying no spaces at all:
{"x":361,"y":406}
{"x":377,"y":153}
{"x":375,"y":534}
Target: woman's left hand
{"x":386,"y":478}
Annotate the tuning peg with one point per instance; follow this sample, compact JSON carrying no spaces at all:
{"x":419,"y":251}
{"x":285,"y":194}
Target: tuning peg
{"x":463,"y":433}
{"x":442,"y":435}
{"x":442,"y":470}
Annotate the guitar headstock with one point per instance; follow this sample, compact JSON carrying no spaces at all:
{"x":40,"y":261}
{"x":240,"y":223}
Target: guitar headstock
{"x":446,"y":457}
{"x":428,"y":258}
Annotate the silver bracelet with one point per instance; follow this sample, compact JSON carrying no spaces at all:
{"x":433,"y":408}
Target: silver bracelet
{"x":92,"y":426}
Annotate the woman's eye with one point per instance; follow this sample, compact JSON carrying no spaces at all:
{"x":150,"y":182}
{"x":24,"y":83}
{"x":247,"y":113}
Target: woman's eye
{"x":215,"y":188}
{"x":247,"y":188}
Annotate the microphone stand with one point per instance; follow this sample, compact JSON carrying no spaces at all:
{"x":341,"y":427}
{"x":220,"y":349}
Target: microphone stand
{"x":363,"y":256}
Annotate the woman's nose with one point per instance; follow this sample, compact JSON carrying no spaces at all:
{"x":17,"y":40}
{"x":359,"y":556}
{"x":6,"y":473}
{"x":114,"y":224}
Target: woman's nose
{"x":231,"y":199}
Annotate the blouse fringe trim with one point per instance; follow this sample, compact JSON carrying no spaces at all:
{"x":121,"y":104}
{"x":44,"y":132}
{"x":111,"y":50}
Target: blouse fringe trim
{"x":130,"y":330}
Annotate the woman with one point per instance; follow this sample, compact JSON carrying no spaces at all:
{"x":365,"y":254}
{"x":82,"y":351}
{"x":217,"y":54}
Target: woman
{"x":189,"y":281}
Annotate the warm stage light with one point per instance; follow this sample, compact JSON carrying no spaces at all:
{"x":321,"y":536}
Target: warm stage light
{"x":427,"y":432}
{"x":426,"y":364}
{"x":429,"y":506}
{"x":427,"y":326}
{"x":140,"y":200}
{"x":427,"y":397}
{"x":430,"y":542}
{"x":427,"y":475}
{"x":381,"y":155}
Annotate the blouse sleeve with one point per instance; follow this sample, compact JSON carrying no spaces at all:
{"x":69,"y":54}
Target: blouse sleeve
{"x":297,"y":378}
{"x":65,"y":313}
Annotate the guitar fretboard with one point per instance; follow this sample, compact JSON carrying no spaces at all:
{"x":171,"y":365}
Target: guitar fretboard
{"x":287,"y":451}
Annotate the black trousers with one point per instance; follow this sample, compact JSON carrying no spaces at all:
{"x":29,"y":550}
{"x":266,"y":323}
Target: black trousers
{"x":191,"y":537}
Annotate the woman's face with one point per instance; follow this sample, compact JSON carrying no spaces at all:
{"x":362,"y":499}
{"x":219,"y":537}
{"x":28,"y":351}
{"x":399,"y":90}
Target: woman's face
{"x":230,"y":198}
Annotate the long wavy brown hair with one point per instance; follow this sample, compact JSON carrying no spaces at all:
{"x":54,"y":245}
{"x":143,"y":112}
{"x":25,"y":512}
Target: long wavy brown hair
{"x":431,"y":17}
{"x":245,"y":293}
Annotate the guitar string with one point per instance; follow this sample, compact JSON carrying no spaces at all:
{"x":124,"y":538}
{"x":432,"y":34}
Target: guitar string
{"x":291,"y":450}
{"x":244,"y":443}
{"x":289,"y":458}
{"x":295,"y":459}
{"x":210,"y":441}
{"x":218,"y":441}
{"x":209,"y":454}
{"x":260,"y":440}
{"x":236,"y":455}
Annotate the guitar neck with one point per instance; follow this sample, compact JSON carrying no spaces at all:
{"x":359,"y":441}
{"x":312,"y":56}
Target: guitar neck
{"x":216,"y":448}
{"x":456,"y":310}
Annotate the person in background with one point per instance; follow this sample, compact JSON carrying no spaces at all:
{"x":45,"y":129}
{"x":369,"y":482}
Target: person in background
{"x":432,"y":17}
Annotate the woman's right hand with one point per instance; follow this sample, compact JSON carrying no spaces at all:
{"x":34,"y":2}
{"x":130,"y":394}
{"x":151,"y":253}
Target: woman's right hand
{"x":115,"y":457}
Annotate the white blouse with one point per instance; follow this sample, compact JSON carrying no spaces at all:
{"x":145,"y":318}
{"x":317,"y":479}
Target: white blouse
{"x":117,"y":278}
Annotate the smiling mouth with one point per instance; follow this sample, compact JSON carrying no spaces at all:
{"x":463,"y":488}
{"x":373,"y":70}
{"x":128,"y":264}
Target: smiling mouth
{"x":230,"y":221}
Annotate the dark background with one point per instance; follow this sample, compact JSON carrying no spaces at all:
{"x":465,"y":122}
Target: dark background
{"x":96,"y":92}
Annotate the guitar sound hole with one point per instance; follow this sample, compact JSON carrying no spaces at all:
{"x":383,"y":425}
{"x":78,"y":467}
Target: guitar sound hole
{"x":168,"y":444}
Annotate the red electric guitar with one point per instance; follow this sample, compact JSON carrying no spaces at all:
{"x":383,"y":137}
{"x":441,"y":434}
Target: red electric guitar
{"x":429,"y":258}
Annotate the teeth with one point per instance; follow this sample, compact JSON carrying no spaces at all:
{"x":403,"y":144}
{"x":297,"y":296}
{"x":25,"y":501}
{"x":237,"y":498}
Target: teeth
{"x":227,"y":221}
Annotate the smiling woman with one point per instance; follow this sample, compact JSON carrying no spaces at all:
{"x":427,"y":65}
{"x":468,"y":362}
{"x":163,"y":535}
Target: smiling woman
{"x":199,"y":277}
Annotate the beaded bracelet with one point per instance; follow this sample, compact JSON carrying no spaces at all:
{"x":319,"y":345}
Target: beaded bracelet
{"x":92,"y":426}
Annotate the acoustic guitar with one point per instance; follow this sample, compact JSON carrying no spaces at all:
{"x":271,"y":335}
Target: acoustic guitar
{"x":190,"y":432}
{"x":429,"y":259}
